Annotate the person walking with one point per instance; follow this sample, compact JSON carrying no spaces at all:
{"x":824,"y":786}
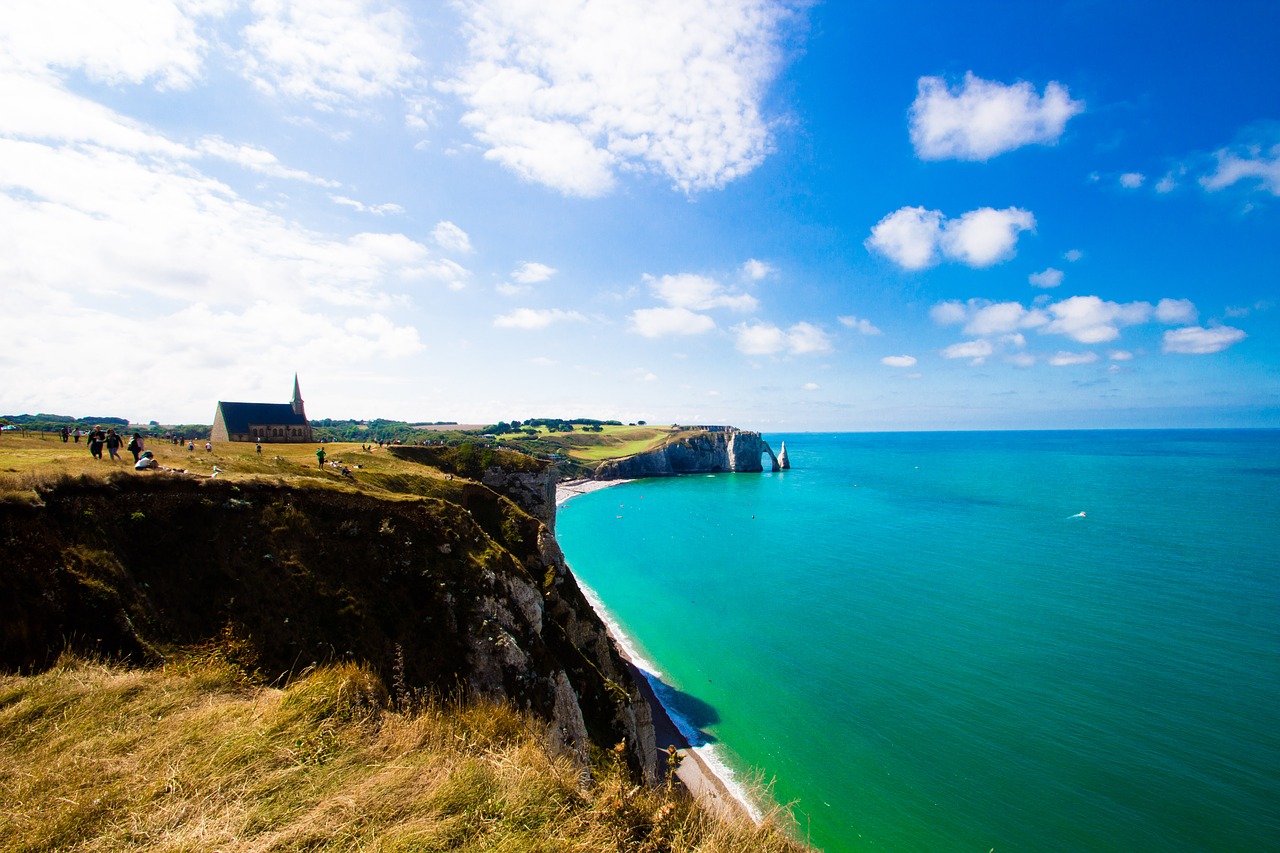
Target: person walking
{"x":135,"y":446}
{"x":96,"y":439}
{"x":113,"y":445}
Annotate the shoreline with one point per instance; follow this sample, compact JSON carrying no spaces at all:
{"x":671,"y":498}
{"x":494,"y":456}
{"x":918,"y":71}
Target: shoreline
{"x":701,"y":772}
{"x":567,"y":490}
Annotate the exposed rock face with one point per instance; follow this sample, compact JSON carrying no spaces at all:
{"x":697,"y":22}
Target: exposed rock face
{"x":432,"y":594}
{"x":535,"y":493}
{"x":737,"y":451}
{"x":784,"y":462}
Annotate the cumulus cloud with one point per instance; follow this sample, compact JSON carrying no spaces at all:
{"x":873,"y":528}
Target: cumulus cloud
{"x":861,"y":325}
{"x":1066,"y":359}
{"x":699,"y":293}
{"x":535,"y":318}
{"x":977,"y":351}
{"x":1132,"y":180}
{"x":1072,"y":255}
{"x":568,"y":95}
{"x":1247,"y":163}
{"x":531,"y":272}
{"x":1167,"y":184}
{"x":909,"y":237}
{"x":985,"y":236}
{"x":756,"y":270}
{"x":980,"y":118}
{"x":810,"y":386}
{"x":768,"y":339}
{"x":1197,"y":340}
{"x":331,"y":53}
{"x":660,"y":322}
{"x":984,"y":318}
{"x":1175,"y":312}
{"x":898,"y":361}
{"x":913,"y":237}
{"x":1120,"y":355}
{"x":112,"y":43}
{"x":1091,"y":320}
{"x":451,"y":238}
{"x":1048,"y":278}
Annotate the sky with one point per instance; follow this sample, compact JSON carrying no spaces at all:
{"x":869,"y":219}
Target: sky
{"x":782,"y":215}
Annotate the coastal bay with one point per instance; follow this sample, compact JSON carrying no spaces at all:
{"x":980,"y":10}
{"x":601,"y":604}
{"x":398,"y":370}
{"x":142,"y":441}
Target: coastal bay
{"x":926,"y":644}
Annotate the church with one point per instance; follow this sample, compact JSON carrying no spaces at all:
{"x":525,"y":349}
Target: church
{"x":271,"y":422}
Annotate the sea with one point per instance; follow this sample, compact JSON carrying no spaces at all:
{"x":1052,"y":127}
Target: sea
{"x":968,"y":641}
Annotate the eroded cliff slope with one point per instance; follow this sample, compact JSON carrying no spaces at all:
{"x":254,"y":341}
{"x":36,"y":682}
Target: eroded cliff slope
{"x":471,"y":594}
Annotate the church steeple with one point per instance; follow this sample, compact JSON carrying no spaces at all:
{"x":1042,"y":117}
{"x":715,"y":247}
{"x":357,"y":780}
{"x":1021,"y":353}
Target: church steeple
{"x":297,"y":398}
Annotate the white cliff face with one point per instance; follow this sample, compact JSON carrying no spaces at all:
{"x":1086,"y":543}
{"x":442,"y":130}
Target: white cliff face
{"x":731,"y":451}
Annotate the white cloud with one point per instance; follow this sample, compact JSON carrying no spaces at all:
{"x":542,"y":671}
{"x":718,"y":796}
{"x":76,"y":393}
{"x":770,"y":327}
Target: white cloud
{"x":1120,"y":355}
{"x":1072,"y":255}
{"x":805,"y":338}
{"x":660,"y":322}
{"x":257,"y":160}
{"x":981,"y":118}
{"x":330,"y":52}
{"x":1175,"y":312}
{"x":767,"y":339}
{"x":861,"y":325}
{"x":1046,"y":278}
{"x":1091,"y":320}
{"x":949,"y":313}
{"x":1132,"y":180}
{"x":976,"y":350}
{"x":810,"y":386}
{"x":1021,"y":359}
{"x":567,"y":95}
{"x":531,"y":272}
{"x":112,"y":43}
{"x":1167,"y":184}
{"x":898,"y":361}
{"x":1066,"y":359}
{"x":361,"y":207}
{"x":756,"y":270}
{"x":985,"y":236}
{"x":699,"y":293}
{"x":451,"y":238}
{"x":908,"y":237}
{"x":983,"y":318}
{"x":535,"y":318}
{"x":1196,"y":340}
{"x":1253,"y":162}
{"x":912,"y":237}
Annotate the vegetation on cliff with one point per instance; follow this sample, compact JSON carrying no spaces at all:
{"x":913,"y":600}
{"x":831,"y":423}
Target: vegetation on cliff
{"x":199,"y":755}
{"x":272,"y":626}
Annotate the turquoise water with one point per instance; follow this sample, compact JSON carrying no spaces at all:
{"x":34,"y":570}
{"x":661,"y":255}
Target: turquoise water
{"x":922,"y":642}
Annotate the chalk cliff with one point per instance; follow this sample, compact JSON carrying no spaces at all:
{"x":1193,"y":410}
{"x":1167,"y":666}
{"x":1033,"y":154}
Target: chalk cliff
{"x":695,"y":452}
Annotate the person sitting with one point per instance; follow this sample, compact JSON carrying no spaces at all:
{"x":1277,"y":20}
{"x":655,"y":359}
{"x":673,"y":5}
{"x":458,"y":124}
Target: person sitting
{"x":145,"y":461}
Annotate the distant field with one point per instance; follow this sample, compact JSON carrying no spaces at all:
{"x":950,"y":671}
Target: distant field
{"x":612,"y":442}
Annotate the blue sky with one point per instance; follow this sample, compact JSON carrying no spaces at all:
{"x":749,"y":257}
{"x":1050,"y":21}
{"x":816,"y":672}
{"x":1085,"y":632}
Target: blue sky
{"x":781,"y":215}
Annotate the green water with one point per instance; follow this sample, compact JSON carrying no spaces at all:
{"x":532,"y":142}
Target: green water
{"x":927,"y":648}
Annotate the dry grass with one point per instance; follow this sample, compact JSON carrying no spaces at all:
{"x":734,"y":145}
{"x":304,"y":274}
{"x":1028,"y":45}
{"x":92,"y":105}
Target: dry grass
{"x":195,"y":757}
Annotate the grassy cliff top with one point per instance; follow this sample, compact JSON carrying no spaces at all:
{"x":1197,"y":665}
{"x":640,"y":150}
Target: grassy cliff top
{"x":194,"y":757}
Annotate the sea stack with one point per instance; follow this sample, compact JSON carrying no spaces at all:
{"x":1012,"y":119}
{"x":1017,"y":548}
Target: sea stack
{"x":783,"y":462}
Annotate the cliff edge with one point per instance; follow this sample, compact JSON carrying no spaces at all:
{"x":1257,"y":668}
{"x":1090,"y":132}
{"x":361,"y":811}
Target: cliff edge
{"x":701,"y":451}
{"x":468,"y":594}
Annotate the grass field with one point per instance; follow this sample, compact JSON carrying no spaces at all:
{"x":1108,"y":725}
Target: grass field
{"x":196,"y":756}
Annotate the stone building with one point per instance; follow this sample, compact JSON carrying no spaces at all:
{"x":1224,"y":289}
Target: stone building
{"x":272,"y":422}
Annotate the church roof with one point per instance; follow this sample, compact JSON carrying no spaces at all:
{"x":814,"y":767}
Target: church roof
{"x":239,"y":416}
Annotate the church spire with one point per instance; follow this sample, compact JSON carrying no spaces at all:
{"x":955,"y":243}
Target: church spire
{"x":297,"y":398}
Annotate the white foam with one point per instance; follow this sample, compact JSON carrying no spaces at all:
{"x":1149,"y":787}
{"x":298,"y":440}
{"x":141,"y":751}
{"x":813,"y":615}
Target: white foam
{"x":710,"y":754}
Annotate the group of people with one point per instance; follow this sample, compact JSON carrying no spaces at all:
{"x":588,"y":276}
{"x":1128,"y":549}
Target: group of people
{"x":111,"y":440}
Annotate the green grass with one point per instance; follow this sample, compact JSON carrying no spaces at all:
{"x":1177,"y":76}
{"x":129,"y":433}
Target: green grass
{"x":196,"y":757}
